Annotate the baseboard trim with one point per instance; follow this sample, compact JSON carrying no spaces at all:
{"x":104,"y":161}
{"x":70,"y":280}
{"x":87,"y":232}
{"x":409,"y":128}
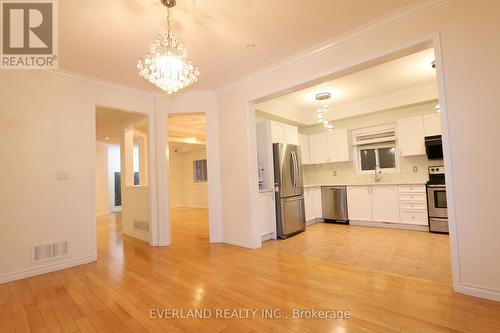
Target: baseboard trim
{"x":267,"y":236}
{"x":163,"y":243}
{"x":144,"y":238}
{"x":313,"y":221}
{"x":476,"y":291}
{"x":238,"y":242}
{"x":216,"y":239}
{"x":389,"y":225}
{"x":46,"y":269}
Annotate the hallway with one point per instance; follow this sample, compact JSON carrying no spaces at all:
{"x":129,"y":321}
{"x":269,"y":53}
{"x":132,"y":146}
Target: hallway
{"x":117,"y":292}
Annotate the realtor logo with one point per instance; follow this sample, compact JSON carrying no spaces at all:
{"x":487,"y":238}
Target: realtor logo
{"x":29,"y":34}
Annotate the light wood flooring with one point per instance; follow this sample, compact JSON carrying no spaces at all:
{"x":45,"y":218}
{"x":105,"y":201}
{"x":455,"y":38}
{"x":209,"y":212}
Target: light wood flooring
{"x":116,"y":292}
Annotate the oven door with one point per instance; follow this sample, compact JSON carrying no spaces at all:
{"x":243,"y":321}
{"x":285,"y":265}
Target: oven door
{"x":436,"y":201}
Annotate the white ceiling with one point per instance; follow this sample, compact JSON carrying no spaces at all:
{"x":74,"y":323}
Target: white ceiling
{"x":399,"y":82}
{"x":104,"y":39}
{"x":186,"y":127}
{"x":110,"y":124}
{"x":182,"y":128}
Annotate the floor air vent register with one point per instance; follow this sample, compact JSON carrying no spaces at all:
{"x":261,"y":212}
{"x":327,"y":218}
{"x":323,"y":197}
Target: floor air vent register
{"x":49,"y":251}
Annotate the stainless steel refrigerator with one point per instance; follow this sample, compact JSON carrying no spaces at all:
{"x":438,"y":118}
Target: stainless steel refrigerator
{"x":289,"y":190}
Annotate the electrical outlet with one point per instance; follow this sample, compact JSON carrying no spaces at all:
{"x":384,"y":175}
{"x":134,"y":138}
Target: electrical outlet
{"x":415,"y":169}
{"x":334,"y":173}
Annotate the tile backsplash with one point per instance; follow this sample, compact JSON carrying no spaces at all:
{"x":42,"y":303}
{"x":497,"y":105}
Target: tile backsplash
{"x":344,"y":173}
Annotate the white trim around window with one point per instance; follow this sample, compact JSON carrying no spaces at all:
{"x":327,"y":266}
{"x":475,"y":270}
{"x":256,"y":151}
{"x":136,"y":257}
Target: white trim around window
{"x":376,"y":146}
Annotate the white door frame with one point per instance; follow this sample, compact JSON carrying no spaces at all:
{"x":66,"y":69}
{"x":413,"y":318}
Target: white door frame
{"x":163,"y":235}
{"x":430,"y":40}
{"x":151,"y":165}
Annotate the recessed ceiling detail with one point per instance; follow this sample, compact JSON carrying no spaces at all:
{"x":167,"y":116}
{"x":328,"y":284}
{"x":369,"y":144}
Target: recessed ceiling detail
{"x":118,"y":32}
{"x":403,"y":81}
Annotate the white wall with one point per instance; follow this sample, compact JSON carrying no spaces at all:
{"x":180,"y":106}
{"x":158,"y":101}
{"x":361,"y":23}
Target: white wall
{"x":135,"y":198}
{"x":49,"y":194}
{"x":195,"y":194}
{"x":470,"y":51}
{"x":183,"y":192}
{"x":175,"y":185}
{"x":101,"y":179}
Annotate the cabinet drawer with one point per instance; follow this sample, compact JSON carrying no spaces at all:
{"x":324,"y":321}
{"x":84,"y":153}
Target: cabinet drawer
{"x":411,"y":189}
{"x":417,"y":205}
{"x":413,"y":217}
{"x":412,"y":197}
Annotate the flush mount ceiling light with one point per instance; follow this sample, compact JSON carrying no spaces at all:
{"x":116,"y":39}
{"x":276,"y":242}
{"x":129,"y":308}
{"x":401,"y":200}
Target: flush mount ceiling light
{"x":323,"y":96}
{"x":320,"y":113}
{"x":166,"y":65}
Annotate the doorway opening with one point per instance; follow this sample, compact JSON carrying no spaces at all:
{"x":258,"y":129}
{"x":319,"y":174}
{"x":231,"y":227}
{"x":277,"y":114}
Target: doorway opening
{"x":122,"y":196}
{"x":364,"y":135}
{"x":188,"y":177}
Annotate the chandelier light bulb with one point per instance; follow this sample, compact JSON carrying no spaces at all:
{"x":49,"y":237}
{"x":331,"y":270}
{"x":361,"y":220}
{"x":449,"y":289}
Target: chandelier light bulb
{"x":166,"y":65}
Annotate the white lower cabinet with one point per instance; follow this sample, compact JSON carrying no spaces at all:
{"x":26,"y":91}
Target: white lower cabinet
{"x":404,"y":204}
{"x":312,"y":202}
{"x":413,"y":204}
{"x":359,"y":203}
{"x":385,"y":204}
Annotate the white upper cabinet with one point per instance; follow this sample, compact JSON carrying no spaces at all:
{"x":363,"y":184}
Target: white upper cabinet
{"x":304,"y":148}
{"x":410,"y":134}
{"x":329,"y":147}
{"x":338,"y":146}
{"x":277,"y":132}
{"x":432,"y":124}
{"x":318,"y":147}
{"x":284,"y":133}
{"x":385,"y":204}
{"x":359,"y":203}
{"x":291,"y":135}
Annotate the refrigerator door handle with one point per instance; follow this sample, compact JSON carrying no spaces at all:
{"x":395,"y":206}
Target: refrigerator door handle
{"x":292,"y":169}
{"x":295,"y":169}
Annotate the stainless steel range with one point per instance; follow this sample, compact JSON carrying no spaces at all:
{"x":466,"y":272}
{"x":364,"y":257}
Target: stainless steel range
{"x":436,"y":200}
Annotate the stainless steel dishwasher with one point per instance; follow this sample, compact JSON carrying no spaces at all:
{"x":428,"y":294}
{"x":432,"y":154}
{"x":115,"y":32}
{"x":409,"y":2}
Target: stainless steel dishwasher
{"x":334,"y":203}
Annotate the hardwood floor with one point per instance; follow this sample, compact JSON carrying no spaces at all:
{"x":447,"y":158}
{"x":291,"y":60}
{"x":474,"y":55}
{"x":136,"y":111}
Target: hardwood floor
{"x":117,"y":292}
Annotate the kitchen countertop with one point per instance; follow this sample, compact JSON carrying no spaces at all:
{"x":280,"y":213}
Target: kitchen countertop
{"x":366,"y":184}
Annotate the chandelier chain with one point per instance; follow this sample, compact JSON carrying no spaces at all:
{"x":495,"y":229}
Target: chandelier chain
{"x":168,"y":22}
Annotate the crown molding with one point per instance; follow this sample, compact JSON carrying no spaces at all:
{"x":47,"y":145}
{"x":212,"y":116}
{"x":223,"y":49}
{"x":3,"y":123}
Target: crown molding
{"x":359,"y":108}
{"x":77,"y":77}
{"x":373,"y":28}
{"x":185,"y":94}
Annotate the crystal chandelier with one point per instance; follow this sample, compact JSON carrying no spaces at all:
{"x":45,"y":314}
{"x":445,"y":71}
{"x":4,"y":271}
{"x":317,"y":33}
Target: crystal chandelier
{"x":166,"y":65}
{"x":321,"y":112}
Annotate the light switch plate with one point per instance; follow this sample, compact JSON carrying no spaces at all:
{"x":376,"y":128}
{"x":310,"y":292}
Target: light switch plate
{"x":415,"y":169}
{"x":62,"y":176}
{"x":334,"y":173}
